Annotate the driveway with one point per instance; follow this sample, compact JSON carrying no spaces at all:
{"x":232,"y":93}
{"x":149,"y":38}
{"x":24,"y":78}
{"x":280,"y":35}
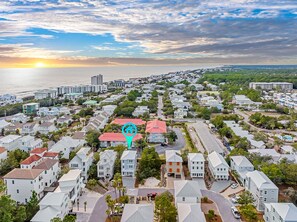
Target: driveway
{"x":223,"y":204}
{"x":160,"y":107}
{"x":178,"y":144}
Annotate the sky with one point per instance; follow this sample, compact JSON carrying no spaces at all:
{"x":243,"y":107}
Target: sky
{"x":71,"y":33}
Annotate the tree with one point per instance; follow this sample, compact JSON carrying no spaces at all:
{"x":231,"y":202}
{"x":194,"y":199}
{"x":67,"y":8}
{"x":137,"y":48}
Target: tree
{"x":56,"y":219}
{"x":141,"y":144}
{"x":246,"y":198}
{"x":171,"y":136}
{"x":32,"y":207}
{"x":7,"y":209}
{"x":92,"y":173}
{"x":20,"y":214}
{"x":149,"y":164}
{"x":165,"y":210}
{"x":92,"y":138}
{"x":249,"y":212}
{"x":69,"y":218}
{"x":211,"y":215}
{"x":117,"y":183}
{"x":110,"y":204}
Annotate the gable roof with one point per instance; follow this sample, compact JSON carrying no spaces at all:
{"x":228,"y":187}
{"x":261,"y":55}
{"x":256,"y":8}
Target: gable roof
{"x":50,"y":154}
{"x":173,"y":156}
{"x":117,"y":137}
{"x":138,"y":212}
{"x":46,"y":164}
{"x":39,"y":150}
{"x":190,"y":212}
{"x":241,"y":161}
{"x":119,"y":121}
{"x":195,"y":157}
{"x":261,"y":180}
{"x":128,"y":155}
{"x":288,"y":211}
{"x":216,"y":159}
{"x":53,"y":199}
{"x":30,"y":159}
{"x":186,"y":188}
{"x":156,"y":126}
{"x":18,"y":173}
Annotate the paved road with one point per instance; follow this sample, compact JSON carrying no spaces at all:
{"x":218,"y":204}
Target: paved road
{"x":178,"y":145}
{"x":160,"y":107}
{"x":99,"y":211}
{"x":209,"y":141}
{"x":223,"y":204}
{"x":246,"y":120}
{"x":195,"y":138}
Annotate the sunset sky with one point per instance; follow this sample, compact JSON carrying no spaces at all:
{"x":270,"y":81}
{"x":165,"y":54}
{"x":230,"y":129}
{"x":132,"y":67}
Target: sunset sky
{"x":67,"y":33}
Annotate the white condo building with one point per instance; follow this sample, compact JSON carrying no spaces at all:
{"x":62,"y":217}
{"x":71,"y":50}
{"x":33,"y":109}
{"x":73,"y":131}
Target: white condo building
{"x":262,"y":188}
{"x":218,"y":166}
{"x":97,"y":80}
{"x":196,"y":164}
{"x":271,"y":85}
{"x":128,"y":163}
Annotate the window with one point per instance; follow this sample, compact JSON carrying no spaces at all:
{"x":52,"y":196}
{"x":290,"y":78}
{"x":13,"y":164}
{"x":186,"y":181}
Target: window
{"x":18,"y":191}
{"x":177,"y":170}
{"x":12,"y":181}
{"x":265,"y":192}
{"x":177,"y":163}
{"x":170,"y":163}
{"x":170,"y":170}
{"x":184,"y":199}
{"x":264,"y":199}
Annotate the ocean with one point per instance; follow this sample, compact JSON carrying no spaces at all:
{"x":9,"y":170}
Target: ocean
{"x":24,"y":82}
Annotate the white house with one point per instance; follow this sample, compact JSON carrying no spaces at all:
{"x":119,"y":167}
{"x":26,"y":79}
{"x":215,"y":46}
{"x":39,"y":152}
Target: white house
{"x":30,"y":162}
{"x":105,"y":165}
{"x":97,"y":122}
{"x":51,"y":170}
{"x":109,"y":109}
{"x":72,"y":184}
{"x":241,"y":165}
{"x":140,"y":110}
{"x":28,"y":143}
{"x":262,"y":188}
{"x":190,"y":212}
{"x":3,"y":153}
{"x":82,"y":161}
{"x":65,"y":120}
{"x":218,"y":166}
{"x":3,"y":124}
{"x":128,"y":163}
{"x":21,"y":182}
{"x":66,"y":145}
{"x":196,"y":164}
{"x":46,"y":128}
{"x":280,"y":212}
{"x":138,"y":212}
{"x":29,"y":128}
{"x":51,"y":206}
{"x":187,"y":191}
{"x":19,"y":118}
{"x":10,"y":142}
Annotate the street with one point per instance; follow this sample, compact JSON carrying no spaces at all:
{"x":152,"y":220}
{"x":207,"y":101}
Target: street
{"x":178,"y":145}
{"x":160,"y":107}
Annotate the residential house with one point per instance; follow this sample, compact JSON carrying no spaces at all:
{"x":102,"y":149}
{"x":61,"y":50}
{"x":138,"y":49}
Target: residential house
{"x":262,"y":188}
{"x":30,"y":162}
{"x":67,"y":120}
{"x":82,"y":161}
{"x":46,"y":128}
{"x":105,"y":165}
{"x":51,"y":170}
{"x":3,"y":153}
{"x":128,"y":163}
{"x":241,"y":165}
{"x":140,"y":111}
{"x":218,"y":166}
{"x":196,"y":163}
{"x":280,"y":212}
{"x":115,"y":139}
{"x":30,"y":128}
{"x":51,"y":206}
{"x":190,"y":212}
{"x":138,"y":212}
{"x":19,"y":118}
{"x":187,"y":191}
{"x":10,"y":142}
{"x":66,"y":145}
{"x":28,"y":143}
{"x":122,"y":122}
{"x":71,"y":183}
{"x":21,"y":182}
{"x":97,"y":122}
{"x":174,"y":163}
{"x":109,"y":109}
{"x":46,"y":111}
{"x":156,"y":130}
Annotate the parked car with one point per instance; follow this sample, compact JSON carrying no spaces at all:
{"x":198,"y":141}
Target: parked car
{"x":235,"y":199}
{"x":164,"y":144}
{"x":234,"y":185}
{"x":152,"y":195}
{"x":235,"y":212}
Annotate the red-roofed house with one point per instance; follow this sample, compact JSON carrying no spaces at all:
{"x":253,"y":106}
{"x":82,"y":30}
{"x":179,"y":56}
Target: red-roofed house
{"x":38,"y":151}
{"x":156,"y":130}
{"x":3,"y":153}
{"x":114,"y":139}
{"x":121,"y":122}
{"x":51,"y":155}
{"x":31,"y":162}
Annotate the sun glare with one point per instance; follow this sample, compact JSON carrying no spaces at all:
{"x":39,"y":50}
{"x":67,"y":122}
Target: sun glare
{"x":39,"y":65}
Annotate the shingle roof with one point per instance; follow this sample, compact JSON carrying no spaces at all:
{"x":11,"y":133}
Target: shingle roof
{"x":39,"y":150}
{"x":50,"y":154}
{"x":190,"y":212}
{"x":46,"y":164}
{"x":156,"y":126}
{"x":118,"y":137}
{"x":186,"y":188}
{"x":173,"y":156}
{"x":119,"y":121}
{"x":138,"y":212}
{"x":30,"y":159}
{"x":18,"y":173}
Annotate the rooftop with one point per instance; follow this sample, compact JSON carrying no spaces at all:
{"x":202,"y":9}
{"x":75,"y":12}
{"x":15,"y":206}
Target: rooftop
{"x":138,"y":212}
{"x":261,"y":180}
{"x":118,"y":137}
{"x":119,"y":121}
{"x":186,"y":188}
{"x":30,"y":159}
{"x":173,"y":156}
{"x":156,"y":126}
{"x":128,"y":155}
{"x":46,"y":164}
{"x":18,"y":173}
{"x":71,"y":175}
{"x":216,"y":159}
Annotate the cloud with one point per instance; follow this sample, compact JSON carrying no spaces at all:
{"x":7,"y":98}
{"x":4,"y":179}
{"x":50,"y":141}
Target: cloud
{"x":189,"y":28}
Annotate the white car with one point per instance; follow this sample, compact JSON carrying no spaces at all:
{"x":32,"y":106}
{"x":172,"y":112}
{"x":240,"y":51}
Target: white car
{"x":234,"y":185}
{"x":235,"y":199}
{"x":235,"y":212}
